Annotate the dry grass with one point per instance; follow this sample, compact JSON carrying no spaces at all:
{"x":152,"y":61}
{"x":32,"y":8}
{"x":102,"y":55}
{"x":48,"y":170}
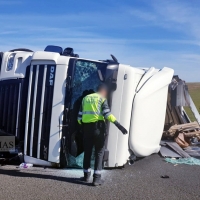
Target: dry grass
{"x":194,"y":90}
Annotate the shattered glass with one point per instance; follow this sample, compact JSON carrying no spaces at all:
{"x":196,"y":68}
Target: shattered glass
{"x":77,"y":162}
{"x":187,"y":161}
{"x":86,"y":78}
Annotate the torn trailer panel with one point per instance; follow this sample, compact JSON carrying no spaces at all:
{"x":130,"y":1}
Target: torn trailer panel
{"x":178,"y":127}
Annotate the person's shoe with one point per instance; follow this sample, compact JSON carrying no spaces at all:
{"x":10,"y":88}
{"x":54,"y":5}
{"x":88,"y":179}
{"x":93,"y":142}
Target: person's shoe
{"x":97,"y":180}
{"x":86,"y":177}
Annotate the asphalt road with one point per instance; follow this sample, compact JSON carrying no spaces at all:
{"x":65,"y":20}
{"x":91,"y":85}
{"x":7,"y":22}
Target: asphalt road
{"x":139,"y":181}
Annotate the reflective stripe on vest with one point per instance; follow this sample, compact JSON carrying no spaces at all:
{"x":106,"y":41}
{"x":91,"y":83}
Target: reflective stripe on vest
{"x":91,"y":113}
{"x":91,"y":108}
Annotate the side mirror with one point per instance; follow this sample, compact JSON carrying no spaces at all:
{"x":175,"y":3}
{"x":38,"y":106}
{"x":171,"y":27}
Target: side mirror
{"x":55,"y":49}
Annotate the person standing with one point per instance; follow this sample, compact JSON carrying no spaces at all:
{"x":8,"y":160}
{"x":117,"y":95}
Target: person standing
{"x":93,"y":112}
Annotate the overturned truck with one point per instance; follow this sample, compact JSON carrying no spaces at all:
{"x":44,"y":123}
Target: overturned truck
{"x":40,"y":95}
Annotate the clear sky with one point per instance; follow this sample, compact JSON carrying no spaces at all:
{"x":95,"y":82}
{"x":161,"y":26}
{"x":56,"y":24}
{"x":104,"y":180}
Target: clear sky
{"x":142,"y":33}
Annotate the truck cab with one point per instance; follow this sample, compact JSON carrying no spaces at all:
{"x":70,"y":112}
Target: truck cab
{"x":57,"y":84}
{"x":40,"y":96}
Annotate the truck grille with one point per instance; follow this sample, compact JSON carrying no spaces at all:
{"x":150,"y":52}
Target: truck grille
{"x":39,"y":110}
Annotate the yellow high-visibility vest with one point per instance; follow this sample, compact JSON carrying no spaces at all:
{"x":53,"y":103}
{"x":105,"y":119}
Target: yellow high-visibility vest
{"x":91,"y":110}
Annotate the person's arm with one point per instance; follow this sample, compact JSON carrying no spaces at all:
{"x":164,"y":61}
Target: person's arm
{"x":107,"y":113}
{"x":111,"y":118}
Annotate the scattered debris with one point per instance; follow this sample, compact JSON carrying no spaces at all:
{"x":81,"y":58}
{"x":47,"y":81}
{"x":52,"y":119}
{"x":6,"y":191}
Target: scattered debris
{"x":185,"y":147}
{"x":188,"y":129}
{"x":180,"y":135}
{"x":181,"y":141}
{"x":168,"y":152}
{"x":173,"y":150}
{"x":187,"y":161}
{"x":25,"y":165}
{"x":193,"y":151}
{"x":165,"y":176}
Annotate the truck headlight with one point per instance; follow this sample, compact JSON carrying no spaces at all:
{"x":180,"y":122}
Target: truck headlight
{"x":10,"y":62}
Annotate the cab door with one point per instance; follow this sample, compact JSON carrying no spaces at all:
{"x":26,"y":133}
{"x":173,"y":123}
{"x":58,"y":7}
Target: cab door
{"x":83,"y":78}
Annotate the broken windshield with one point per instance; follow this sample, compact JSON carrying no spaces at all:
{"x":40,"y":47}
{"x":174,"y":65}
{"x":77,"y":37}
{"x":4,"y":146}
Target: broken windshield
{"x":87,"y":76}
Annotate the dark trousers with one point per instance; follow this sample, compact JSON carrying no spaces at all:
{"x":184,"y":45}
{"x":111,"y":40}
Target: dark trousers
{"x":94,"y":136}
